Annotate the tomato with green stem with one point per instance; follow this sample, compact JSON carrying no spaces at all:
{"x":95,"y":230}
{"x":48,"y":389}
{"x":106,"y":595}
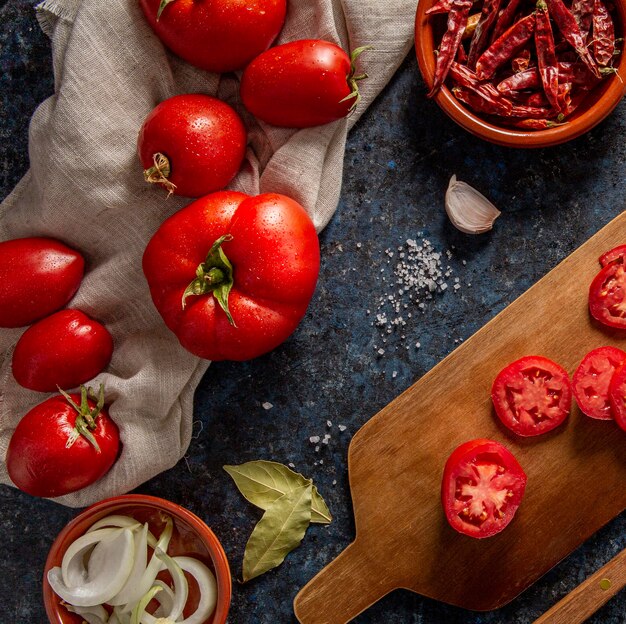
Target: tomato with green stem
{"x":63,"y":444}
{"x":232,"y":275}
{"x":482,"y":487}
{"x":216,"y":35}
{"x":302,"y":84}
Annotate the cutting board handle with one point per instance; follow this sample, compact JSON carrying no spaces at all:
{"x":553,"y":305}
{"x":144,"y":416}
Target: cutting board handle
{"x":343,"y":589}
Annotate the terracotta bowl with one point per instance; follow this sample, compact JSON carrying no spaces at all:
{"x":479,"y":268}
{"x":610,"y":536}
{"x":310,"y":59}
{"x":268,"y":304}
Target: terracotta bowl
{"x":600,"y":102}
{"x":191,"y":537}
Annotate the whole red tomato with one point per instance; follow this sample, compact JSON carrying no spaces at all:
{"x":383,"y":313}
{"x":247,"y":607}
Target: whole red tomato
{"x":62,"y":445}
{"x":232,"y":275}
{"x":301,"y":84}
{"x":216,"y":35}
{"x":37,"y":277}
{"x":192,"y":144}
{"x":63,"y":350}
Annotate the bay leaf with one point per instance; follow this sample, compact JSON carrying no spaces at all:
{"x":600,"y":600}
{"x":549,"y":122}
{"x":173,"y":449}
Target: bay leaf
{"x":278,"y":532}
{"x":263,"y":482}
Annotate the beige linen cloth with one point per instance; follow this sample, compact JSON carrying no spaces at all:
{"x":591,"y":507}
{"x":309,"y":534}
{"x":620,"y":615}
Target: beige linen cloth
{"x":85,"y":188}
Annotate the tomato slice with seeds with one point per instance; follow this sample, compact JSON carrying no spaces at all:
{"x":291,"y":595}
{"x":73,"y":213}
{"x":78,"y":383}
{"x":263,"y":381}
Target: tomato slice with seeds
{"x":532,"y":395}
{"x":617,"y":396}
{"x":482,"y":487}
{"x":592,"y":379}
{"x":613,"y":255}
{"x":607,"y":296}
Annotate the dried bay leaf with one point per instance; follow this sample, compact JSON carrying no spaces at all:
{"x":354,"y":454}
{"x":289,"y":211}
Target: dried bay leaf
{"x":279,"y":531}
{"x":263,"y":482}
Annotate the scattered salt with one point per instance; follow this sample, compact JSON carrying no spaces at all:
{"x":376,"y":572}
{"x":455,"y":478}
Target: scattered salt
{"x":334,"y":481}
{"x":342,"y":427}
{"x":291,"y":465}
{"x":317,"y":448}
{"x":329,"y":423}
{"x":314,"y":439}
{"x":267,"y":405}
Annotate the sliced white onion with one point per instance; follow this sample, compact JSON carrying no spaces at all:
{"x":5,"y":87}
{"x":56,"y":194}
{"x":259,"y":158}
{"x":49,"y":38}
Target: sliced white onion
{"x":155,"y":565}
{"x":208,"y":588}
{"x":166,"y":601}
{"x":140,"y":607}
{"x":105,"y":577}
{"x":181,"y":587}
{"x":122,"y":522}
{"x":129,"y":592}
{"x":91,"y":615}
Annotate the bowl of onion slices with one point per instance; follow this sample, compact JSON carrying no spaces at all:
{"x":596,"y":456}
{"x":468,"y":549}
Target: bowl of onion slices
{"x":137,"y":559}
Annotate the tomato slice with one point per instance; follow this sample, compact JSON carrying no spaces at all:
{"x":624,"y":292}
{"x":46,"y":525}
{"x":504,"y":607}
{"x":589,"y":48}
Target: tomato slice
{"x":617,"y":396}
{"x":607,"y":296}
{"x":613,"y":255}
{"x":592,"y":379}
{"x":482,"y":487}
{"x":532,"y":395}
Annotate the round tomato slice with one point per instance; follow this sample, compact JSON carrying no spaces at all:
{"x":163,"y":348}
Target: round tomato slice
{"x":617,"y":396}
{"x":483,"y":485}
{"x":613,"y":255}
{"x":592,"y":379}
{"x":532,"y":395}
{"x":607,"y":296}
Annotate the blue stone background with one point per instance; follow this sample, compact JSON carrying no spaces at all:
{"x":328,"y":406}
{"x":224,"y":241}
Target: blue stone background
{"x":397,"y":165}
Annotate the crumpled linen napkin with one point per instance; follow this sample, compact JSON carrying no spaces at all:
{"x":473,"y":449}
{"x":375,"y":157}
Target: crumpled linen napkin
{"x":85,"y":188}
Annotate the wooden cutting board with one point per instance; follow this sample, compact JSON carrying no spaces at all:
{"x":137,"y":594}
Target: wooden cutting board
{"x":576,"y":474}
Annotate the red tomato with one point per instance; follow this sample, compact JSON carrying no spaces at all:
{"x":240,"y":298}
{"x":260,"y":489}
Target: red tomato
{"x":216,"y":35}
{"x":617,"y":396}
{"x":37,"y":277}
{"x":613,"y":255}
{"x":61,"y":446}
{"x":301,"y":84}
{"x":592,"y":379}
{"x":63,"y":350}
{"x":607,"y":296}
{"x":532,"y":395}
{"x":192,"y":145}
{"x":482,"y":487}
{"x":255,"y":258}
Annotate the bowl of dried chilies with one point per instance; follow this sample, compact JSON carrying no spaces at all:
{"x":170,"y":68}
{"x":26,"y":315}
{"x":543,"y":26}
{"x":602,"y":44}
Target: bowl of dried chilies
{"x":523,"y":73}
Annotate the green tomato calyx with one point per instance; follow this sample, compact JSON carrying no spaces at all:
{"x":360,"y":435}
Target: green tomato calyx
{"x":353,"y":78}
{"x":86,"y":419}
{"x":214,"y":275}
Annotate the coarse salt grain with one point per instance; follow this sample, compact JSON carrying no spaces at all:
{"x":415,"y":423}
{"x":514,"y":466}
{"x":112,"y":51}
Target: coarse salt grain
{"x":314,"y":439}
{"x":267,"y":405}
{"x":342,"y":427}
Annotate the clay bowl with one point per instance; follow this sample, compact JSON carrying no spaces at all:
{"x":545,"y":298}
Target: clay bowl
{"x":191,"y":537}
{"x":596,"y":106}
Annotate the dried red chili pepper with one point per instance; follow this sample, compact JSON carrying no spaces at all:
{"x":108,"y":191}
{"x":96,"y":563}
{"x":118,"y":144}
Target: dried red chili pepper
{"x":576,"y":73}
{"x":603,"y":34}
{"x":443,"y":6}
{"x":505,"y":47}
{"x":582,"y":10}
{"x":546,"y":56}
{"x":461,"y":55}
{"x":536,"y":124}
{"x":457,"y":19}
{"x":564,"y":95}
{"x":480,"y":39}
{"x":536,"y":98}
{"x":482,"y":102}
{"x":566,"y":23}
{"x":505,"y":19}
{"x":521,"y":62}
{"x":470,"y":27}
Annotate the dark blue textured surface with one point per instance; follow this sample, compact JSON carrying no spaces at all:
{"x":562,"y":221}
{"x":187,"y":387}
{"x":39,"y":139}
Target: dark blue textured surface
{"x":399,"y":160}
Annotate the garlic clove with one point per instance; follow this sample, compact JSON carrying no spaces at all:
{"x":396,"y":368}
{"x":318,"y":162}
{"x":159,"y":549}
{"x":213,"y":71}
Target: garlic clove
{"x":470,"y":211}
